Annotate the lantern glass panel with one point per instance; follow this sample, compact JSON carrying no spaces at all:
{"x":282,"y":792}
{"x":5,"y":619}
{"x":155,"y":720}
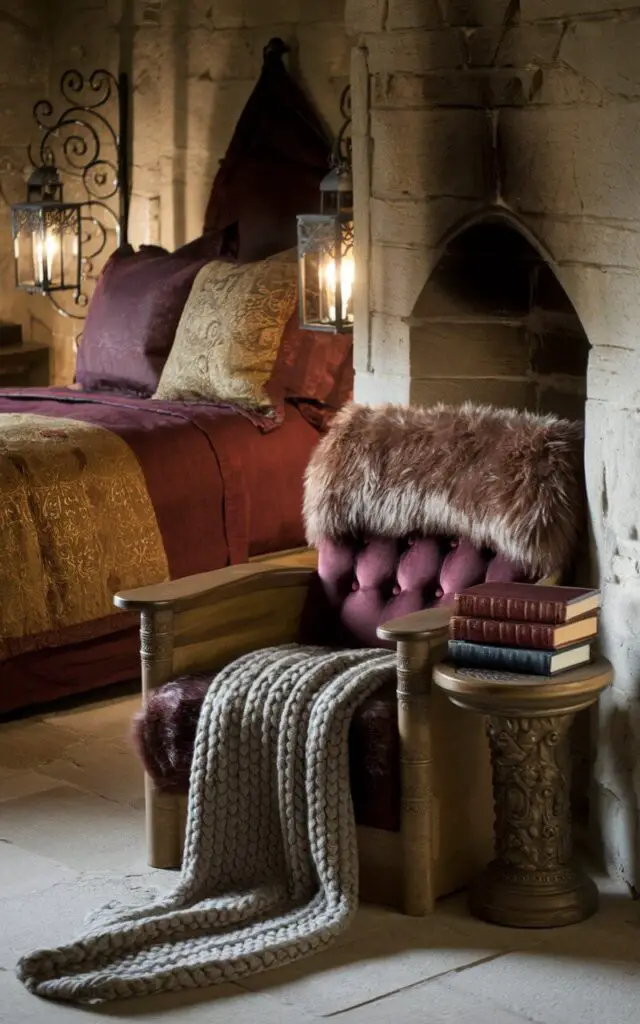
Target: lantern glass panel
{"x":326,"y":272}
{"x":46,"y":238}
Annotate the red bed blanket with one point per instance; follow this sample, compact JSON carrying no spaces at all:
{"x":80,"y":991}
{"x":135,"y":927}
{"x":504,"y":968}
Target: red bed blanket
{"x":220,"y":485}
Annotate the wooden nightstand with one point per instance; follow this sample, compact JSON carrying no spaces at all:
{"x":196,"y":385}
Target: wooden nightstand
{"x":24,"y":366}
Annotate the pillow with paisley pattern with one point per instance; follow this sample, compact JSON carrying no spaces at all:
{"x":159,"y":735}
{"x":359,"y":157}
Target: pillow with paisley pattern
{"x":229,"y":334}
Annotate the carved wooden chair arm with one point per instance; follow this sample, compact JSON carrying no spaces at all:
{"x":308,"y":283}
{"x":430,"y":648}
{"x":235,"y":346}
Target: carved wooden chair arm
{"x":208,"y":588}
{"x":199,"y":623}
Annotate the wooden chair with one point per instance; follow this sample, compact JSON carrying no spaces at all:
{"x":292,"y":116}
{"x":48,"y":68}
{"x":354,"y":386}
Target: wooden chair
{"x":194,"y":626}
{"x":201,"y":623}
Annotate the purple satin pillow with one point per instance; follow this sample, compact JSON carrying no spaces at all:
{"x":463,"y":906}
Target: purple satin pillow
{"x":133,"y":315}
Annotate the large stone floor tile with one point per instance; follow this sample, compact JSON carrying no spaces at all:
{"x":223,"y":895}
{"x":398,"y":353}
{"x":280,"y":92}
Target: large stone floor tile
{"x":44,"y":919}
{"x":224,"y":1004}
{"x":405,"y":952}
{"x":30,"y":743}
{"x":80,"y":830}
{"x":101,"y":767}
{"x":432,"y":1003}
{"x":22,"y":871}
{"x":15,"y":784}
{"x":106,"y":719}
{"x":221,"y":1004}
{"x":548,"y":988}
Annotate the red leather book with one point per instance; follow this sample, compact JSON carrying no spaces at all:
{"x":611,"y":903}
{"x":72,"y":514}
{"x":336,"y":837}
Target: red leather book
{"x":522,"y":634}
{"x":527,"y":602}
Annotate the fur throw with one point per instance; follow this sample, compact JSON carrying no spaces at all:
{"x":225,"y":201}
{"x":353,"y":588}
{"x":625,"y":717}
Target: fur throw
{"x":511,"y":481}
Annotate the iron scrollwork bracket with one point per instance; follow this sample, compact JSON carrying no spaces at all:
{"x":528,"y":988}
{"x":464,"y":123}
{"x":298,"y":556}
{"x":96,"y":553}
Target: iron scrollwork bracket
{"x":75,"y":143}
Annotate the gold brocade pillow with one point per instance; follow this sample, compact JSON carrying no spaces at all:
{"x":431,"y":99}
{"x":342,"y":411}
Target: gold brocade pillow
{"x":229,"y":334}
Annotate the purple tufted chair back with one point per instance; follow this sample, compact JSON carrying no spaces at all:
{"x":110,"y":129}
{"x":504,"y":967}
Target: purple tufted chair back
{"x":361,"y":584}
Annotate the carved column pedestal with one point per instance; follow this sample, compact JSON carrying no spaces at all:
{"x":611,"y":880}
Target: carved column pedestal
{"x":533,"y":881}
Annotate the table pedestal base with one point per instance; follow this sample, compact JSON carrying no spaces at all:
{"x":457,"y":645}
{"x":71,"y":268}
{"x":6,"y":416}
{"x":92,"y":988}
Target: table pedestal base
{"x":533,"y":882}
{"x":519,"y":900}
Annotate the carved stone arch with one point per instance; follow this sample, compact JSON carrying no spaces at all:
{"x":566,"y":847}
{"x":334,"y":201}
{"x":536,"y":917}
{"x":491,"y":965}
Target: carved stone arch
{"x":494,"y":324}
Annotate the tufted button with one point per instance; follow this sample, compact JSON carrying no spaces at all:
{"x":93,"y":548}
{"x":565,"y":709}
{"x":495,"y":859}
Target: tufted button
{"x":396,"y":590}
{"x":355,"y":585}
{"x":454,"y":543}
{"x":439,"y":592}
{"x":411,"y":542}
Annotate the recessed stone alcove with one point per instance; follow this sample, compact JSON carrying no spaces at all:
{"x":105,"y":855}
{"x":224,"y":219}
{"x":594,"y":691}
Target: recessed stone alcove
{"x":526,"y":112}
{"x":493,"y":324}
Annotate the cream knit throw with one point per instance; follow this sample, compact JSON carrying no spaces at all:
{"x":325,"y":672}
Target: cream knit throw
{"x":270,"y":869}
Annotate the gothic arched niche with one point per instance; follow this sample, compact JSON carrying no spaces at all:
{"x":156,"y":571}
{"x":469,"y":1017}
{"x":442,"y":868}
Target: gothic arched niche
{"x":493,"y":324}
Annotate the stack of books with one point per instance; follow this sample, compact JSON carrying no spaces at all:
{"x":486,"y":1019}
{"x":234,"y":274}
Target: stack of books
{"x":521,"y":627}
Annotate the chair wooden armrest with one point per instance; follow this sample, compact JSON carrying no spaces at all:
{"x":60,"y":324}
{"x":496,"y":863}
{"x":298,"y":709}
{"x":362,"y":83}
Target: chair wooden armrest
{"x":200,"y":623}
{"x":212,"y":587}
{"x":422,"y":625}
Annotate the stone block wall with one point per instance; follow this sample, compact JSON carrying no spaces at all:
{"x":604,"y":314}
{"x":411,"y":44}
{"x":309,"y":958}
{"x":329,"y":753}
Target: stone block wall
{"x":193,"y":64}
{"x":529,"y":107}
{"x":23,"y":77}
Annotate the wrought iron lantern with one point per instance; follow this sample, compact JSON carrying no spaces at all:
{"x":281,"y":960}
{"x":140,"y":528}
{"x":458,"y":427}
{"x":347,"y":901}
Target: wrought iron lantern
{"x":47,"y":236}
{"x":58,"y":244}
{"x":326,"y":269}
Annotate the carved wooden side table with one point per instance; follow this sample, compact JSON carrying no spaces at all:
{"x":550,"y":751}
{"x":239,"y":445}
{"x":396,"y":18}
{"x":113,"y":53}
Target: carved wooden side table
{"x":533,"y":881}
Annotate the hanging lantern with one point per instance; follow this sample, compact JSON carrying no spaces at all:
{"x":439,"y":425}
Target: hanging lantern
{"x":46,"y":236}
{"x":325,"y":257}
{"x":326,"y":268}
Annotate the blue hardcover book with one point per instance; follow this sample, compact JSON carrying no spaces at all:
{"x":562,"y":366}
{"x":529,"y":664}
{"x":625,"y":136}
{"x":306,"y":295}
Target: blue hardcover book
{"x":518,"y":659}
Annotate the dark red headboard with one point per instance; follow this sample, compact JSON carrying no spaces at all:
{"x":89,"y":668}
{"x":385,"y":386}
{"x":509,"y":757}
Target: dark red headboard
{"x":272,"y":170}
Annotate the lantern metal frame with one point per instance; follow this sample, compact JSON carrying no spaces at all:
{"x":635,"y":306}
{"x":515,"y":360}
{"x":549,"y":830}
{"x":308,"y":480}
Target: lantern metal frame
{"x":73,"y":143}
{"x":329,"y":232}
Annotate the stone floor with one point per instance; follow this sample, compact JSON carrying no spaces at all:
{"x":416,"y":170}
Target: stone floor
{"x":71,"y":839}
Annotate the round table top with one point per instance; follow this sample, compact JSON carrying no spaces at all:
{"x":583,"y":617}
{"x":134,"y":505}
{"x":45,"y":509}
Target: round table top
{"x":493,"y":692}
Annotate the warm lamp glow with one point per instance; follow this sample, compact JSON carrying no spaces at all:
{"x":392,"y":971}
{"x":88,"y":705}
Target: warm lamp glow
{"x":46,"y":252}
{"x":328,"y":279}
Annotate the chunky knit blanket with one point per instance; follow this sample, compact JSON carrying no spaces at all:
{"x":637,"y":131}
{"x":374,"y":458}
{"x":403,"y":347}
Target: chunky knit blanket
{"x":270,"y":869}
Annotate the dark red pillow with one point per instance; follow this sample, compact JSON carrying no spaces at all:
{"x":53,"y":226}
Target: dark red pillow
{"x":315,"y":365}
{"x":134,"y":313}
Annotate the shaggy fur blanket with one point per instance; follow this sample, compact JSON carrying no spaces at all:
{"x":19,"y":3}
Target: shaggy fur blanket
{"x":507,"y":480}
{"x":270,"y":868}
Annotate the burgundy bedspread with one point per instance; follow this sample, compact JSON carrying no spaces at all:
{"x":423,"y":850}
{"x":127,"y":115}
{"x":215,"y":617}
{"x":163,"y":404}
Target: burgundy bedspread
{"x":224,"y":487}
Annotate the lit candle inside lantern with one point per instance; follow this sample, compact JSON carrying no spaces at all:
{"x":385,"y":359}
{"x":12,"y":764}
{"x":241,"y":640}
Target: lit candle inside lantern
{"x":328,"y":282}
{"x":47,"y":253}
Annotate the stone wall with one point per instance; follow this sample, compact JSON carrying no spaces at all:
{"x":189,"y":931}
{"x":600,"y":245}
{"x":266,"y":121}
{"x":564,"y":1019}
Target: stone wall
{"x":23,"y":77}
{"x":531,"y":107}
{"x":192,"y":64}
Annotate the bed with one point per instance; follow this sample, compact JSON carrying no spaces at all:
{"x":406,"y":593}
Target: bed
{"x":105,"y":489}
